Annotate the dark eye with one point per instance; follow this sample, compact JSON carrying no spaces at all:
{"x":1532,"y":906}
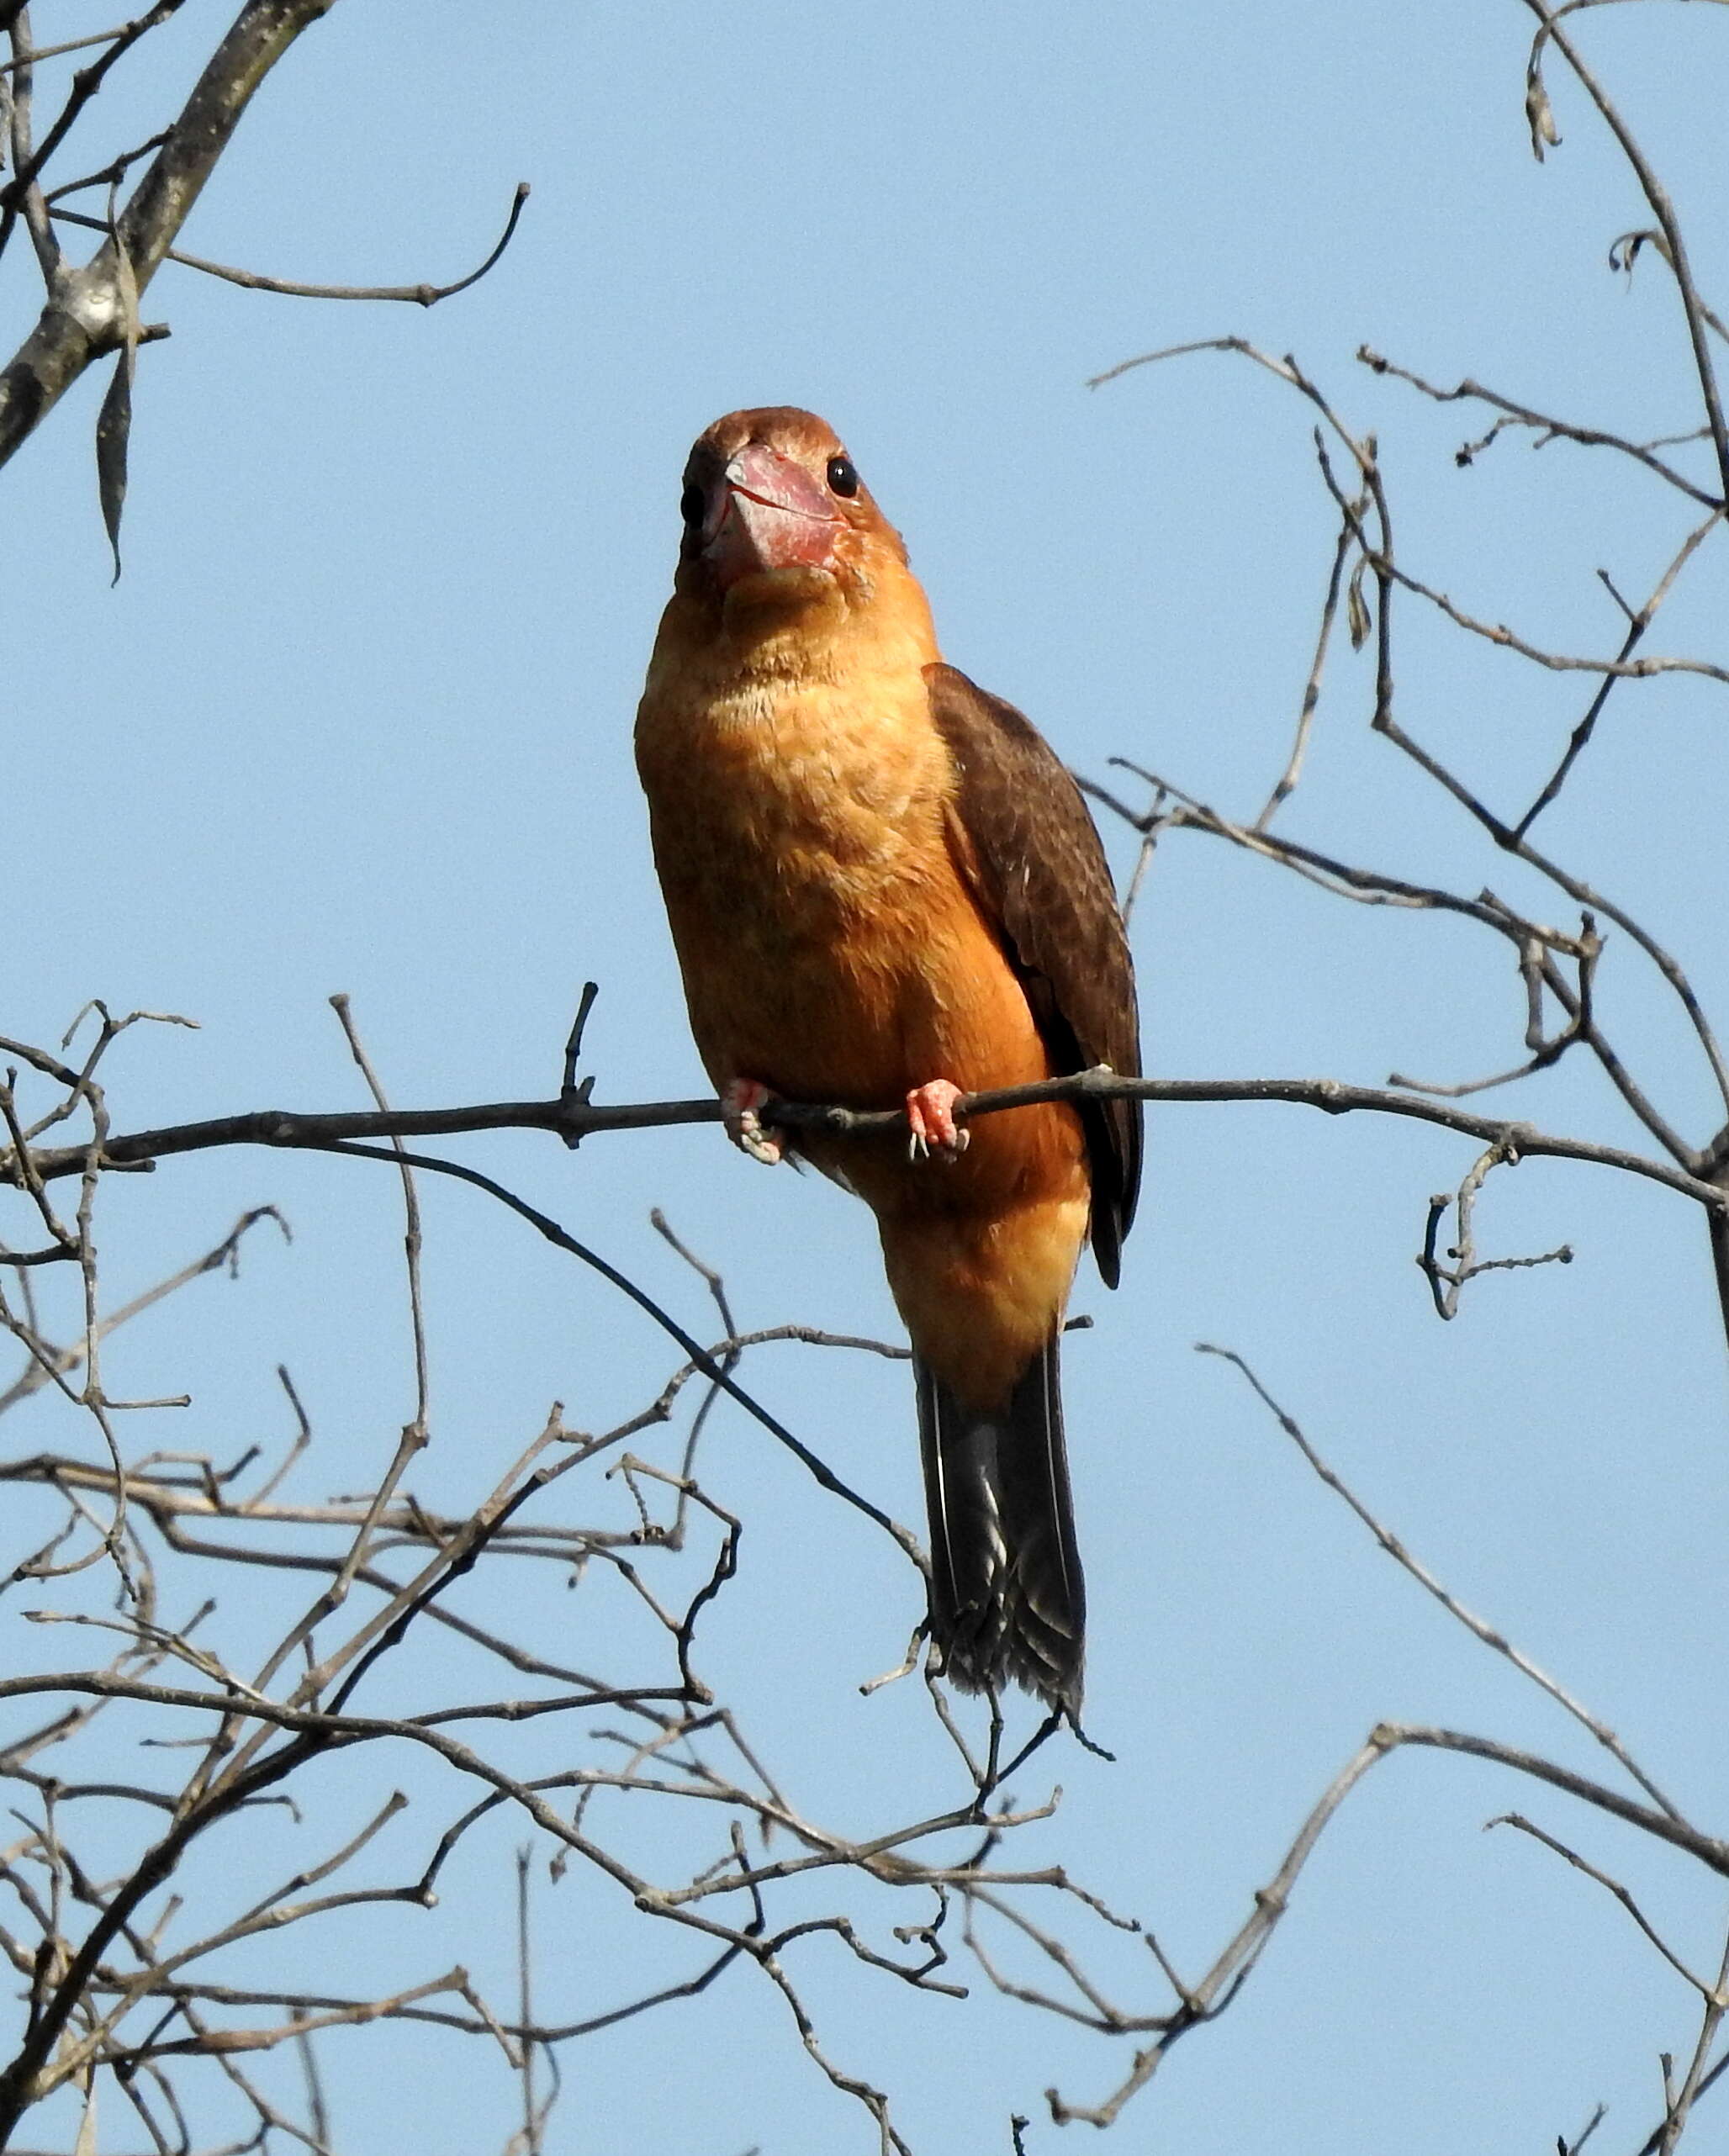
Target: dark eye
{"x":843,"y":479}
{"x":691,"y":505}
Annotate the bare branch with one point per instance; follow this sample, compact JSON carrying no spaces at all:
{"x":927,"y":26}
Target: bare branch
{"x":1613,"y":1886}
{"x":1662,"y":209}
{"x":1425,"y":1579}
{"x":82,"y":319}
{"x":338,"y":1131}
{"x":1311,"y":689}
{"x":1637,"y":625}
{"x":85,"y":85}
{"x":1547,"y":427}
{"x":421,"y":295}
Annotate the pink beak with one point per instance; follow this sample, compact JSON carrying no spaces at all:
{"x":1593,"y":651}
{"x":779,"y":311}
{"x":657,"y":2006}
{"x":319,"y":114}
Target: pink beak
{"x":768,"y":513}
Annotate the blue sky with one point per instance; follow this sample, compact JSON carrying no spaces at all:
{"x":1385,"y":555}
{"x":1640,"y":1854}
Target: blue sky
{"x":358,"y":718}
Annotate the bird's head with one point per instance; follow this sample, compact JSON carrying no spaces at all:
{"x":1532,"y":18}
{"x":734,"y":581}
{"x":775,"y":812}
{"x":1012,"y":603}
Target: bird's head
{"x":778,"y":524}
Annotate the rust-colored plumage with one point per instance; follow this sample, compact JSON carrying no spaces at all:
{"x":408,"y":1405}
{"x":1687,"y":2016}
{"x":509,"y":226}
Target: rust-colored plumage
{"x":884,"y":888}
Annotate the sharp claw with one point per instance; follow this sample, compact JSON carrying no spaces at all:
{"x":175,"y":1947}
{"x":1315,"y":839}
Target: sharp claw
{"x":930,"y":1115}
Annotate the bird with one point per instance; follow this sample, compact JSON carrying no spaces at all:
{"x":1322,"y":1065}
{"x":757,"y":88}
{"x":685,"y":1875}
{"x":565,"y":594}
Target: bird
{"x":886,"y":891}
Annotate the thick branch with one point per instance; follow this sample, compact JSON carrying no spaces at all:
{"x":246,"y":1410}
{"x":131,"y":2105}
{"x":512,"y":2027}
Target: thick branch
{"x":83,"y":317}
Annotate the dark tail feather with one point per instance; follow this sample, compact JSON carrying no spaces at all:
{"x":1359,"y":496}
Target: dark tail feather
{"x":1007,"y":1596}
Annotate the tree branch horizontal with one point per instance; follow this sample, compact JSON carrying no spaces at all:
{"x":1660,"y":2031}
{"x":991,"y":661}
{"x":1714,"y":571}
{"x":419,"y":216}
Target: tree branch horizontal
{"x":573,"y":1118}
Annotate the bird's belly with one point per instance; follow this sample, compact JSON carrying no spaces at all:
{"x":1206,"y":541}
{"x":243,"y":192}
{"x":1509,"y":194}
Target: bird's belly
{"x":850,"y":979}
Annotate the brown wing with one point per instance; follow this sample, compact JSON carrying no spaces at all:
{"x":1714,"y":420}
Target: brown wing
{"x":1030,"y":850}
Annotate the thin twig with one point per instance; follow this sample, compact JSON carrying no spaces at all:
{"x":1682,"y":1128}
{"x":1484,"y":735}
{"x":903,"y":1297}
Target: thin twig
{"x":1425,"y":1579}
{"x":420,"y":295}
{"x":1664,"y":211}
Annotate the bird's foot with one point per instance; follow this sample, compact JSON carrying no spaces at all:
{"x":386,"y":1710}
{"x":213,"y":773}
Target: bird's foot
{"x":930,"y":1117}
{"x":740,"y":1115}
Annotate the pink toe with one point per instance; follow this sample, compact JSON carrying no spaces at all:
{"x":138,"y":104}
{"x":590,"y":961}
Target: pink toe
{"x":930,"y":1114}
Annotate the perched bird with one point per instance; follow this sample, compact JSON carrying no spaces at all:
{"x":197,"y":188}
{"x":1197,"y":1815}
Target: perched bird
{"x":886,"y":891}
